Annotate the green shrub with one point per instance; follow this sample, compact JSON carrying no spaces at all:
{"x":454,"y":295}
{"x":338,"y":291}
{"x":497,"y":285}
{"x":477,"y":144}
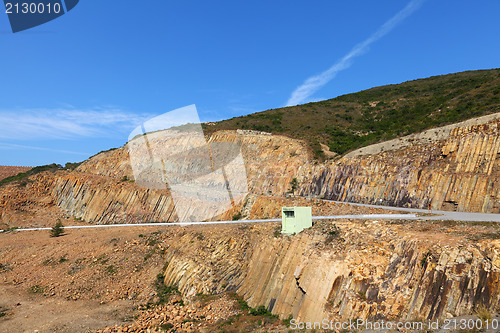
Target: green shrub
{"x":294,"y":184}
{"x":287,"y":321}
{"x":164,"y":292}
{"x":425,"y":257}
{"x":21,"y":177}
{"x":259,"y":311}
{"x":57,"y":230}
{"x":71,"y":166}
{"x":111,"y":270}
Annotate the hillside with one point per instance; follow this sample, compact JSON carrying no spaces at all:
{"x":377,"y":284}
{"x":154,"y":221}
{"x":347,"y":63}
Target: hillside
{"x":356,"y":120}
{"x":208,"y":278}
{"x":8,"y":171}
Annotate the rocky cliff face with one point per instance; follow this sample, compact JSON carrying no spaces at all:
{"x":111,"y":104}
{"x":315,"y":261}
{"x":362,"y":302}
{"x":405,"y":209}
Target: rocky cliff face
{"x":461,"y":172}
{"x":98,"y":193}
{"x":358,"y":270}
{"x":412,"y":271}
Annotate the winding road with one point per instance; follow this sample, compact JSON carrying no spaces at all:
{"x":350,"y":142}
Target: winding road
{"x":437,"y":215}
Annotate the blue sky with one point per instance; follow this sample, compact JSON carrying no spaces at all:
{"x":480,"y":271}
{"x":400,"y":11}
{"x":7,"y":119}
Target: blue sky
{"x":83,"y":82}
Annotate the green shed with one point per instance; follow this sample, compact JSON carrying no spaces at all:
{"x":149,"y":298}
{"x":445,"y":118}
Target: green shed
{"x":295,"y":219}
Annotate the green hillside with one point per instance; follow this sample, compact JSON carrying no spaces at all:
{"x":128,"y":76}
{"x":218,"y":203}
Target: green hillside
{"x":355,"y":120}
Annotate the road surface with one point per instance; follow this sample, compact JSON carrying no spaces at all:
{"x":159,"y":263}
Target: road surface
{"x":440,"y":215}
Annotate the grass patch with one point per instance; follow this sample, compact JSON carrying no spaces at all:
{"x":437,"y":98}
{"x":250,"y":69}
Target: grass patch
{"x":150,"y":253}
{"x":243,"y":306}
{"x":167,"y":326}
{"x":332,"y":233}
{"x":425,"y":257}
{"x":287,"y":321}
{"x":102,"y":259}
{"x":37,"y":289}
{"x":152,"y":242}
{"x":204,"y":299}
{"x":22,"y":177}
{"x":111,"y":270}
{"x":164,"y":292}
{"x":483,"y":313}
{"x":249,"y":319}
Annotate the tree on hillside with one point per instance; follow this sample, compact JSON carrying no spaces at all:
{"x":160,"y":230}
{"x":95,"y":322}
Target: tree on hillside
{"x":57,"y":230}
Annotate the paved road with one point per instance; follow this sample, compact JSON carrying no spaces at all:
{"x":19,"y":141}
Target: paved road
{"x":443,"y":215}
{"x":184,"y":224}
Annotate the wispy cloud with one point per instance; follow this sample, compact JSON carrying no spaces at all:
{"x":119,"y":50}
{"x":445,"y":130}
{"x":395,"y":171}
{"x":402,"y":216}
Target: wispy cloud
{"x":8,"y":146}
{"x":312,"y":84}
{"x":65,"y":123}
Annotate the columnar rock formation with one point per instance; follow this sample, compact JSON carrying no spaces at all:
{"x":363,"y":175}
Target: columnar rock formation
{"x":372,"y":270}
{"x":460,"y":173}
{"x":363,"y":270}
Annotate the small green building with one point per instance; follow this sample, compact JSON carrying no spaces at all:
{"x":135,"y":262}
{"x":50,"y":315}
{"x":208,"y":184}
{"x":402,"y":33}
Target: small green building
{"x":295,"y":219}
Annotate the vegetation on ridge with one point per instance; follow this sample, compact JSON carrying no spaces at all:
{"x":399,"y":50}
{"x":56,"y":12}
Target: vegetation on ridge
{"x":22,"y":178}
{"x":352,"y":121}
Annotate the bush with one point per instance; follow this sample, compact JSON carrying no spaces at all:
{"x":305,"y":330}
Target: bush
{"x":37,"y":289}
{"x":294,"y":184}
{"x":424,"y":259}
{"x":287,"y":321}
{"x":22,"y":177}
{"x":71,"y":166}
{"x":164,"y":292}
{"x":259,"y":311}
{"x":57,"y":230}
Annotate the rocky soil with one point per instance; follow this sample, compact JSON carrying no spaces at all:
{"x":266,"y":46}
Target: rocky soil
{"x":107,"y":279}
{"x":7,"y":171}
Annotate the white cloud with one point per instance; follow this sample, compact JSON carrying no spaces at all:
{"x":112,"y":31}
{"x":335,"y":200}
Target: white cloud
{"x":12,"y":146}
{"x":65,"y":123}
{"x":311,"y":85}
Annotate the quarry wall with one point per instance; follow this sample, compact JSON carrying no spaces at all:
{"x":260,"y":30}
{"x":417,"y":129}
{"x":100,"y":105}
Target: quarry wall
{"x":369,"y":270}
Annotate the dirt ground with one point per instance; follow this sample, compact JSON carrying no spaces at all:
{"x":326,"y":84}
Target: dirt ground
{"x":27,"y":312}
{"x":100,"y":279}
{"x":93,"y":279}
{"x":7,"y":171}
{"x":86,"y":279}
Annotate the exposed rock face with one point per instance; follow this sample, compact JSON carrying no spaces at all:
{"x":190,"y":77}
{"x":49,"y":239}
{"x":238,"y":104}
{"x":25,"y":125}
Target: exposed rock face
{"x":104,"y":200}
{"x":459,"y":173}
{"x":375,"y":270}
{"x":97,"y":192}
{"x":429,"y":136}
{"x":362,"y":271}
